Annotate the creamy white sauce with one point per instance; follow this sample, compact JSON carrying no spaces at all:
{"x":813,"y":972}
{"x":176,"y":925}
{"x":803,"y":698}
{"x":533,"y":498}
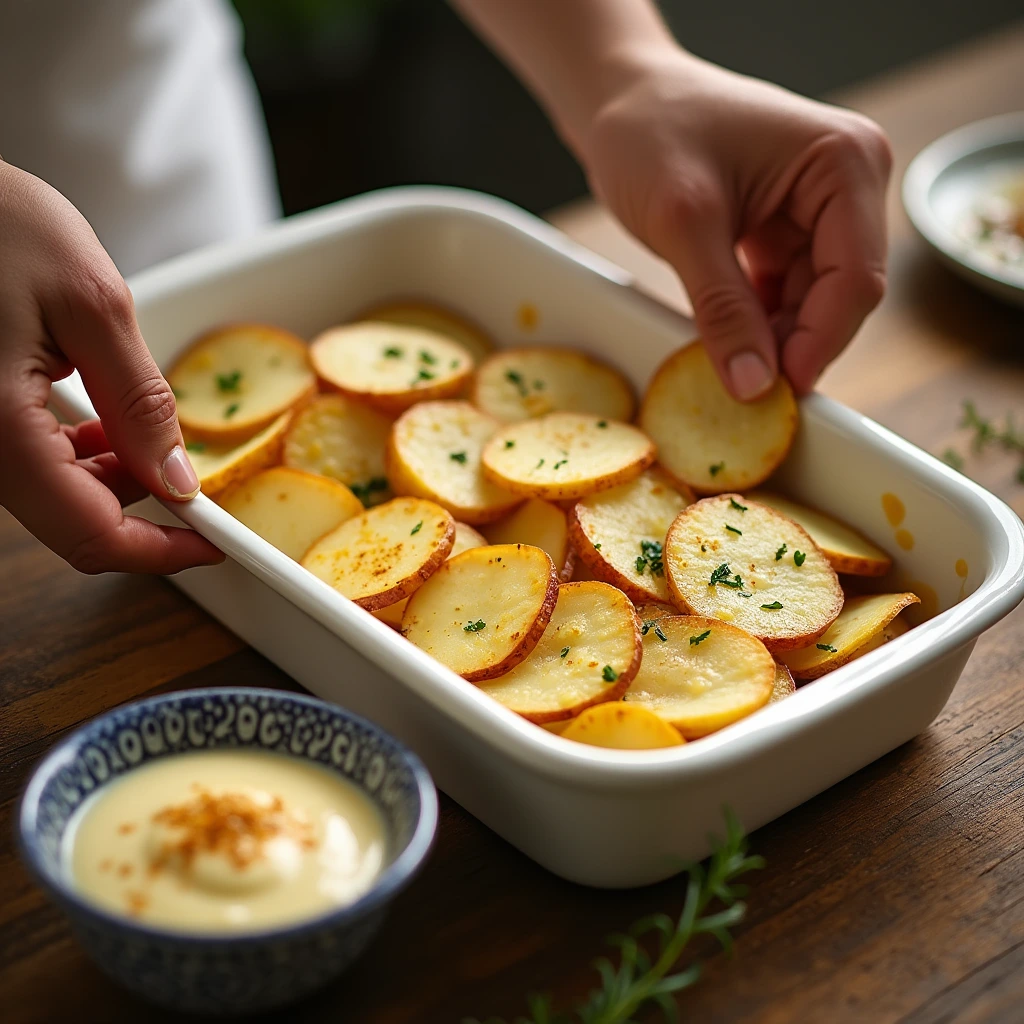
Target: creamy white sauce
{"x":231,"y":840}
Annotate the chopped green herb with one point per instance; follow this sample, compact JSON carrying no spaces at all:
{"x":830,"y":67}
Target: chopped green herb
{"x":510,"y":444}
{"x":641,"y":564}
{"x":426,"y":357}
{"x":826,"y":647}
{"x":423,"y":375}
{"x":538,"y":385}
{"x":704,"y":548}
{"x":651,"y":550}
{"x":516,"y":378}
{"x":539,"y":464}
{"x":602,"y":424}
{"x":459,"y":457}
{"x":716,"y":468}
{"x":773,"y":607}
{"x":229,"y":381}
{"x":597,"y":547}
{"x":195,"y":446}
{"x":650,"y":624}
{"x":565,"y":651}
{"x":231,"y":410}
{"x":608,"y":674}
{"x":474,"y":627}
{"x":732,"y":529}
{"x":416,"y":528}
{"x":392,"y":353}
{"x":736,"y":582}
{"x":453,"y":364}
{"x":723,"y":572}
{"x":745,"y":593}
{"x":781,"y":552}
{"x":699,"y":638}
{"x":733,"y":503}
{"x":799,"y":557}
{"x":560,"y":463}
{"x":364,"y":491}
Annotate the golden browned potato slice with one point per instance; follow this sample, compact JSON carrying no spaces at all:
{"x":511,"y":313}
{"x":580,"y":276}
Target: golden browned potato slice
{"x":589,"y":653}
{"x":566,"y":455}
{"x":236,"y":380}
{"x":337,"y":437}
{"x":707,"y":439}
{"x":485,"y":610}
{"x":384,"y":554}
{"x":519,"y":383}
{"x":729,"y":558}
{"x":435,"y":318}
{"x":434,"y":452}
{"x":290,"y":508}
{"x":700,"y":674}
{"x":847,"y":550}
{"x":620,"y":533}
{"x":784,"y":686}
{"x":390,"y":366}
{"x":622,"y":726}
{"x":651,"y":610}
{"x":465,"y":538}
{"x":862,"y":621}
{"x":219,"y":466}
{"x":542,"y":524}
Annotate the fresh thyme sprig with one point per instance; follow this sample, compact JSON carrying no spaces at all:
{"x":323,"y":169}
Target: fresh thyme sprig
{"x":985,"y":434}
{"x":642,"y":980}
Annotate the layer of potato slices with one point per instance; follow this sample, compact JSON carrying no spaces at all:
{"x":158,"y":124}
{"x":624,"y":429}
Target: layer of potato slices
{"x":342,"y":439}
{"x":622,"y":726}
{"x":649,"y":611}
{"x":232,"y":382}
{"x":541,"y":523}
{"x":708,"y":440}
{"x":566,"y":455}
{"x":589,"y":652}
{"x":384,"y":554}
{"x":700,"y":674}
{"x":434,"y":452}
{"x":847,"y":550}
{"x":452,"y":325}
{"x":784,"y":686}
{"x":520,"y":383}
{"x":862,"y":621}
{"x":465,"y":538}
{"x":290,"y":508}
{"x":619,"y":533}
{"x":390,"y":366}
{"x":219,"y":466}
{"x":484,"y":611}
{"x":732,"y":559}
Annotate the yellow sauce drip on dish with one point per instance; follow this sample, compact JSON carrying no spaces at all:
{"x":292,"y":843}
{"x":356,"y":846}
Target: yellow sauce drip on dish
{"x":527,"y":317}
{"x":894,"y":509}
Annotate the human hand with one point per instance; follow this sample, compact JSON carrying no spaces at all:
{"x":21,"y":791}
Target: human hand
{"x":63,"y":306}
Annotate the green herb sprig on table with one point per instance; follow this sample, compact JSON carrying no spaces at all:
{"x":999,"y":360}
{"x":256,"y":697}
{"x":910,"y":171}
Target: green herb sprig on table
{"x":986,"y":434}
{"x":643,"y":979}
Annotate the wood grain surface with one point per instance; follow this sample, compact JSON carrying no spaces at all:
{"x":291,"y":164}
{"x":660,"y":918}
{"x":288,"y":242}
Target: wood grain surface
{"x":897,"y":895}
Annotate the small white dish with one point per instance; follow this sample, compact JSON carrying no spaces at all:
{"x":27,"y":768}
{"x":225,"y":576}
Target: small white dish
{"x":948,"y":178}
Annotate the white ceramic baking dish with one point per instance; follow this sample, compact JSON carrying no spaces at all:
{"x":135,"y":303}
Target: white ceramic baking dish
{"x":605,"y":818}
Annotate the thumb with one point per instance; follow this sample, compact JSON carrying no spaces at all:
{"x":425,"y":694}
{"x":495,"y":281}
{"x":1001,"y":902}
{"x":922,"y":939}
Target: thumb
{"x":95,"y":327}
{"x":732,"y":321}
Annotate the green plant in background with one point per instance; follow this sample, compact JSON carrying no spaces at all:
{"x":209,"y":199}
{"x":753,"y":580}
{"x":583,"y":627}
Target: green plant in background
{"x":985,"y":433}
{"x":643,"y":981}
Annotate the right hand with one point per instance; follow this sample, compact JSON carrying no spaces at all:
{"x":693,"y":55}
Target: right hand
{"x":64,"y":306}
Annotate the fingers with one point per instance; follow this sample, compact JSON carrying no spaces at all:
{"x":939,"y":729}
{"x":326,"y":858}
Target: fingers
{"x":88,"y":438}
{"x":106,"y":468}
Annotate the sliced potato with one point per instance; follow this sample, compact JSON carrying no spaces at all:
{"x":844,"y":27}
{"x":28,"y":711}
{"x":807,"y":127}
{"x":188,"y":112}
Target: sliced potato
{"x":705,"y":438}
{"x":337,"y":437}
{"x":434,"y":452}
{"x":384,"y":554}
{"x":218,"y":466}
{"x":897,"y":627}
{"x":589,"y":653}
{"x":701,"y":674}
{"x":485,"y":610}
{"x":465,"y":538}
{"x":519,"y":383}
{"x":542,"y":524}
{"x":290,"y":508}
{"x":848,"y":551}
{"x":649,"y":611}
{"x":732,"y":559}
{"x":619,"y":533}
{"x":435,"y":318}
{"x":862,"y":621}
{"x":234,"y":381}
{"x":566,"y":455}
{"x":622,"y":726}
{"x":784,"y":685}
{"x":390,"y":366}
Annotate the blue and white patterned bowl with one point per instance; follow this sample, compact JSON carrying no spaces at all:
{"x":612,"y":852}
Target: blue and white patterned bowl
{"x":249,"y":971}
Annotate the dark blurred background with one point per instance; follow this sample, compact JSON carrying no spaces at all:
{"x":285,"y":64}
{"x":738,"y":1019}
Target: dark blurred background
{"x":360,"y":94}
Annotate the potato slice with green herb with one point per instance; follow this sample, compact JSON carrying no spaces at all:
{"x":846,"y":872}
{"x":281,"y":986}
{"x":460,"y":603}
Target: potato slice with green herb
{"x":566,"y":455}
{"x":384,"y":554}
{"x":622,"y":726}
{"x":342,"y":439}
{"x":619,"y":533}
{"x":219,"y":466}
{"x":784,"y":685}
{"x":701,"y":674}
{"x":465,"y":538}
{"x":234,"y":381}
{"x":452,"y":325}
{"x":520,"y":383}
{"x":862,"y":622}
{"x":290,"y":508}
{"x":541,"y":523}
{"x":732,"y":559}
{"x":434,"y":452}
{"x":484,"y":611}
{"x":589,"y":652}
{"x":847,"y":550}
{"x":390,"y":366}
{"x":705,"y":438}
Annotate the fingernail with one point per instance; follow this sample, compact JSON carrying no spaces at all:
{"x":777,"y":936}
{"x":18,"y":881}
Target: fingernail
{"x":179,"y":476}
{"x":749,"y":374}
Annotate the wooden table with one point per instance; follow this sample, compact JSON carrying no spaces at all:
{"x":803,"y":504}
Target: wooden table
{"x":895,"y":896}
